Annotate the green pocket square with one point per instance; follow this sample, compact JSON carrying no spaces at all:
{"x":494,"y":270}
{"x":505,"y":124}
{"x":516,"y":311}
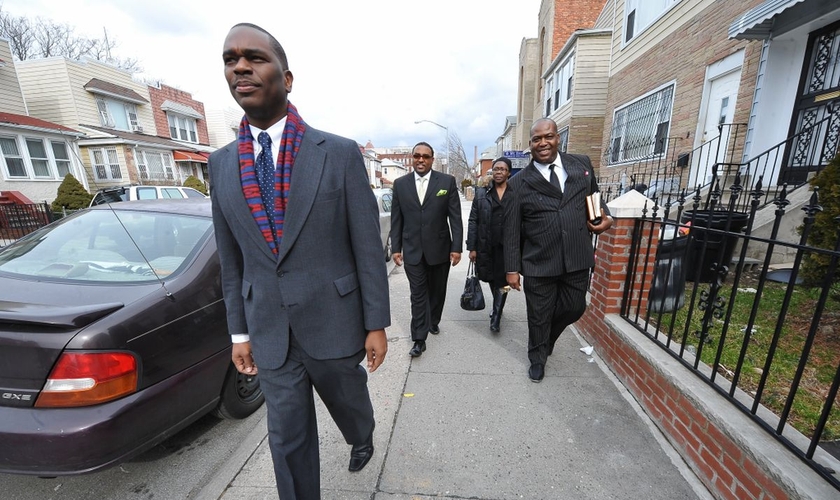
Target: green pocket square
{"x":442,"y":192}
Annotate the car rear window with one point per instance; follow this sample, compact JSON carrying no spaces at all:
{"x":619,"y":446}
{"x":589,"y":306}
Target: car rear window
{"x":108,"y":246}
{"x":147,"y":193}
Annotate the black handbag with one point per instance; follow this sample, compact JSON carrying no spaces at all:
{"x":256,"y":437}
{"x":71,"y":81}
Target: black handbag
{"x":473,"y":298}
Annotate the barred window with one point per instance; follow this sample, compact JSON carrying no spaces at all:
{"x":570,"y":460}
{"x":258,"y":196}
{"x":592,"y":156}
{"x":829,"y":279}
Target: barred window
{"x":154,"y":165}
{"x":564,"y":140}
{"x":106,"y":164}
{"x":640,"y":129}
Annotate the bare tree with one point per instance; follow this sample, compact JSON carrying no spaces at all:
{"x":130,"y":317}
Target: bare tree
{"x":458,"y":164}
{"x":46,"y":38}
{"x":51,"y":37}
{"x":18,"y":30}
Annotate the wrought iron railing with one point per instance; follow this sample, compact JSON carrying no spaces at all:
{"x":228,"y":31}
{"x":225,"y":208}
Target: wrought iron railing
{"x":18,"y":220}
{"x":737,"y":329}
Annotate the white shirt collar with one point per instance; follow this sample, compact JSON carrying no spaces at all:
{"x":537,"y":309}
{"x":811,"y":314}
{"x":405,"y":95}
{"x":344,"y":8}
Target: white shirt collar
{"x":417,"y":176}
{"x":543,"y":169}
{"x":276,"y":133}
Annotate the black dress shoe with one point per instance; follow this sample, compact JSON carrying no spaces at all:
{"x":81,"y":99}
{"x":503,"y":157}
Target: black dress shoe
{"x":419,"y":347}
{"x":536,"y":372}
{"x":360,"y":455}
{"x":434,"y":330}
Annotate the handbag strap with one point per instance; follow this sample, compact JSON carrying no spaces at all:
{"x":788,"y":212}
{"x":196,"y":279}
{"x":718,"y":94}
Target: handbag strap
{"x":471,"y":270}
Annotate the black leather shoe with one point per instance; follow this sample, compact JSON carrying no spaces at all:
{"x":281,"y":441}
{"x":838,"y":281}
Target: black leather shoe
{"x":360,"y":455}
{"x":536,"y":372}
{"x":434,"y":330}
{"x":417,"y":350}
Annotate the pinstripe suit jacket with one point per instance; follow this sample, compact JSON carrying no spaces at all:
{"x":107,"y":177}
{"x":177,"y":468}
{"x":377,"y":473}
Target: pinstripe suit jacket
{"x":328,"y":282}
{"x":545,"y":228}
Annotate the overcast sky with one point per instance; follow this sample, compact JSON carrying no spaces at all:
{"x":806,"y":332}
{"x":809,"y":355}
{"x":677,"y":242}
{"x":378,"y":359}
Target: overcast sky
{"x":366,"y":70}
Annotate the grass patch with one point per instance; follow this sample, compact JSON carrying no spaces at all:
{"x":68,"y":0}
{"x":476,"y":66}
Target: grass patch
{"x":795,"y":322}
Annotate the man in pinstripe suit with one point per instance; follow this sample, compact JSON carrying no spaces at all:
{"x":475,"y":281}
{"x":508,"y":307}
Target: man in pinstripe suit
{"x":548,"y":239}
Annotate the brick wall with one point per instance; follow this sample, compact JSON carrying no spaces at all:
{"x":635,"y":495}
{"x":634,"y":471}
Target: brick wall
{"x":167,"y":93}
{"x":571,"y":15}
{"x":716,"y":456}
{"x":700,"y":42}
{"x":585,"y":138}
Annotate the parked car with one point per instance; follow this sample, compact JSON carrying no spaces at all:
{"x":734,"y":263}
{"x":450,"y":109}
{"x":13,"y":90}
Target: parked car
{"x":383,"y":199}
{"x":131,"y":193}
{"x":112,"y":337}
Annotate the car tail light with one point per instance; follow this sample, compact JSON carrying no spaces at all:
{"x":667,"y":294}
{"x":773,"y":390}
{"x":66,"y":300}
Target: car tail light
{"x":83,"y":379}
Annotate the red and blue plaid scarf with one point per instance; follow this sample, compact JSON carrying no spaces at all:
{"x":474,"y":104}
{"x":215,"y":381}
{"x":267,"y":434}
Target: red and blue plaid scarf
{"x":289,"y":146}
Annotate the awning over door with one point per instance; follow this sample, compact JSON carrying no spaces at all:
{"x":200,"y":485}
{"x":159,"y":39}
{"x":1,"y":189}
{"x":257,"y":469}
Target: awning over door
{"x":775,"y":17}
{"x":187,"y":156}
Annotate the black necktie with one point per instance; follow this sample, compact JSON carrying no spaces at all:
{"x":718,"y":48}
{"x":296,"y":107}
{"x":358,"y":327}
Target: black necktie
{"x":554,"y":179}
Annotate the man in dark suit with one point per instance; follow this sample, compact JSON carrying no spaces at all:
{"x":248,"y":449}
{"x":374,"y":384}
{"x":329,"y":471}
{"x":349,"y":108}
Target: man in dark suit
{"x":426,"y":234}
{"x":548,"y":239}
{"x":297,"y":230}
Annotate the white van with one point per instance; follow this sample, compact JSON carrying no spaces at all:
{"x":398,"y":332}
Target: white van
{"x":128,"y":193}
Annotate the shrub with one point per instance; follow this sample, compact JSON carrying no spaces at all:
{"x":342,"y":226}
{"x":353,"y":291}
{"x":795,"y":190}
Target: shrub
{"x":824,"y":231}
{"x":193,"y":182}
{"x":71,"y":195}
{"x":466,"y":182}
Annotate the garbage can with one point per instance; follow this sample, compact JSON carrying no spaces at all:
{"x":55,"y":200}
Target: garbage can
{"x":707,"y":229}
{"x":667,"y":289}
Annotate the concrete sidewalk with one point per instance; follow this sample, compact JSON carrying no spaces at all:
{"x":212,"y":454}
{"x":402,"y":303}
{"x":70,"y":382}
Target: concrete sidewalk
{"x":464,"y":421}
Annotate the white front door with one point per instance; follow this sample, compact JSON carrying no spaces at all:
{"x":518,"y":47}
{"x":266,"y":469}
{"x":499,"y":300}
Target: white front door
{"x":720,"y":109}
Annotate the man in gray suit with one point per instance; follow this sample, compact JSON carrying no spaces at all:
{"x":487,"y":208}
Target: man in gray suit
{"x":297,"y":230}
{"x":427,"y":234}
{"x":548,"y":239}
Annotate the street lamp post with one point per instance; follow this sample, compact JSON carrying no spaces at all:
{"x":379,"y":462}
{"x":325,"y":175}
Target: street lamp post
{"x":447,"y":139}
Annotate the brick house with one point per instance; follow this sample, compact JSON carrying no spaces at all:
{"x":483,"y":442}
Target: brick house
{"x":181,"y":118}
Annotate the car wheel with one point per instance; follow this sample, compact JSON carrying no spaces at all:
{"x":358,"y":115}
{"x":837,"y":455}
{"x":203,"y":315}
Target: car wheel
{"x":388,"y":250}
{"x":241,"y":395}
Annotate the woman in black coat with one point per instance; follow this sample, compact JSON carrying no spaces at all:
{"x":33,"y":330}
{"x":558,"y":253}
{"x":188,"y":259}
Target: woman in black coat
{"x":484,"y":236}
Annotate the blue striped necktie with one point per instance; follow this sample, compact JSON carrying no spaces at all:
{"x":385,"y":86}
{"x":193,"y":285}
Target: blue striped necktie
{"x":265,"y":176}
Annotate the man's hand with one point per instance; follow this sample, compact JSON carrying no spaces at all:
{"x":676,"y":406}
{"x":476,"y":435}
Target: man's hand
{"x":376,"y":345}
{"x":455,"y":258}
{"x":513,"y":280}
{"x":397,"y":256}
{"x":242,"y":360}
{"x":606,"y":223}
{"x":472,"y":255}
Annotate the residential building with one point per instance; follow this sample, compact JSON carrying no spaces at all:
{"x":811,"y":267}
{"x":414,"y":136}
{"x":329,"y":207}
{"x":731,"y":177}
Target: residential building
{"x":121,"y":145}
{"x":181,"y":118}
{"x":35,"y":154}
{"x":373,"y":165}
{"x":391,"y":171}
{"x":223,"y":126}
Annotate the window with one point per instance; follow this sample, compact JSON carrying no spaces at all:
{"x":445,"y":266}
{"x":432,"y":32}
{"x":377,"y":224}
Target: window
{"x":549,"y":94}
{"x":62,"y":159}
{"x":37,"y":160}
{"x":154,"y":165}
{"x":106,"y":164}
{"x":639,"y":14}
{"x":564,"y":140}
{"x":118,"y":114}
{"x":14,"y":160}
{"x":182,"y":127}
{"x":640,"y":129}
{"x":38,"y":156}
{"x":558,"y":88}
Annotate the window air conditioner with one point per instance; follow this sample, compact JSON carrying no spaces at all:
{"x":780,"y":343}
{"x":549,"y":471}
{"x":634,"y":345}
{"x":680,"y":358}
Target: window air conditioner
{"x":137,"y":128}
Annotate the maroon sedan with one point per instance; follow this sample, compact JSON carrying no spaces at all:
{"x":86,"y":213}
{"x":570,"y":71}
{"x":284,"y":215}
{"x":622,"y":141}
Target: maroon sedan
{"x":112,"y":337}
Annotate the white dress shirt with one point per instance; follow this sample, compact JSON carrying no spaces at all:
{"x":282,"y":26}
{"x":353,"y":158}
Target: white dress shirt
{"x":276,"y":133}
{"x":560,"y":170}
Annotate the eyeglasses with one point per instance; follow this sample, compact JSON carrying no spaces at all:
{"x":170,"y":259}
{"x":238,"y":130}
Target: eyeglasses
{"x":499,"y":169}
{"x":417,"y":156}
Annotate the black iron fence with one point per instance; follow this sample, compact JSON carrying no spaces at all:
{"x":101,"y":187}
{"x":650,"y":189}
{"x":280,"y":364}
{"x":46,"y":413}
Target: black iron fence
{"x":714,"y":164}
{"x":17,"y":220}
{"x":763,"y":338}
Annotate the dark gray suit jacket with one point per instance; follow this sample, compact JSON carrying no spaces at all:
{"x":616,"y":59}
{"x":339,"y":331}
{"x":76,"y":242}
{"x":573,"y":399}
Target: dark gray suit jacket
{"x":329,"y":282}
{"x":545,"y":228}
{"x":434,"y":229}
